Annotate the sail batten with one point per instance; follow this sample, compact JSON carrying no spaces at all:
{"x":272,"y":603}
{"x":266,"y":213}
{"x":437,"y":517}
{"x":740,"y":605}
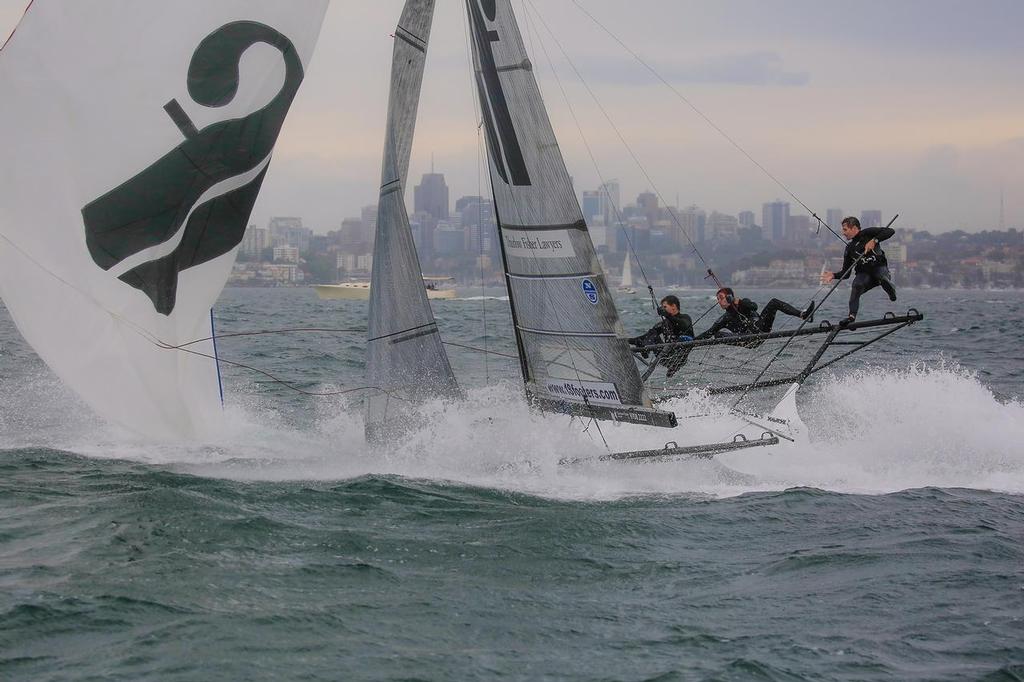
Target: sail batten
{"x":572,"y":347}
{"x":406,"y":360}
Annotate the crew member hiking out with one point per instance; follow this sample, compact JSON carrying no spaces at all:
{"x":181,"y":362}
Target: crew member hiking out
{"x":741,"y":317}
{"x":674,"y":326}
{"x":872,"y":270}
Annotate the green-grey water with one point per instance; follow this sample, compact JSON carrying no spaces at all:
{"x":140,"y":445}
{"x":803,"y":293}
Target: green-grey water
{"x":889,"y":548}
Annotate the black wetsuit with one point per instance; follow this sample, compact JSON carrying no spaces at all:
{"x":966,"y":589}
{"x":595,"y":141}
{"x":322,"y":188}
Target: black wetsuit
{"x":742,"y":318}
{"x":871,"y":271}
{"x":672,"y":328}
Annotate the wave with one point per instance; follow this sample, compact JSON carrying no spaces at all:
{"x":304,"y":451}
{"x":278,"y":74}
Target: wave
{"x":872,"y":431}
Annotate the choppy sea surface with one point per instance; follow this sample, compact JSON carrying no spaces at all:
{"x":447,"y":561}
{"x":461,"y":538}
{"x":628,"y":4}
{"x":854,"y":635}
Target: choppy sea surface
{"x":889,"y":547}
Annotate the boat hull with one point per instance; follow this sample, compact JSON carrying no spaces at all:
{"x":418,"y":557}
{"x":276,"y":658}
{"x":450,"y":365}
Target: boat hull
{"x":360,"y":291}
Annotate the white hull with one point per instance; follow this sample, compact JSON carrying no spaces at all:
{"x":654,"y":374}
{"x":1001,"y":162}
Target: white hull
{"x":360,"y":291}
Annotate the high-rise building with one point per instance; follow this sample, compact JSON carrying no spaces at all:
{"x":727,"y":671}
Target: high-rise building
{"x":369,"y":218}
{"x":722,"y":227}
{"x":746,"y":219}
{"x":591,"y":205}
{"x":598,"y":233}
{"x":693,"y":220}
{"x":611,"y":205}
{"x":449,"y":239}
{"x":431,"y":196}
{"x":774,"y":217}
{"x":871,"y":218}
{"x":798,"y":229}
{"x":352,"y":237}
{"x":423,"y":225}
{"x":286,"y":254}
{"x":834,"y":218}
{"x":647,"y":203}
{"x":255,"y":241}
{"x":477,"y":219}
{"x":288,"y":231}
{"x":462,"y":202}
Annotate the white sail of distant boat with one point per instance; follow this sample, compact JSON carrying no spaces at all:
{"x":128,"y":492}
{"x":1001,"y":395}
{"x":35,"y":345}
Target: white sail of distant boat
{"x":572,"y":348}
{"x":406,"y":362}
{"x":626,"y":284}
{"x":135,"y":136}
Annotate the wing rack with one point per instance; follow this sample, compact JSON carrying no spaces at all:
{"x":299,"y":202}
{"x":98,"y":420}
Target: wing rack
{"x":674,"y":356}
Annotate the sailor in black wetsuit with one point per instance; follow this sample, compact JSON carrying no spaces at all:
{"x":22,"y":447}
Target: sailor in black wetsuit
{"x":674,"y":326}
{"x":741,"y":317}
{"x":872,"y":269}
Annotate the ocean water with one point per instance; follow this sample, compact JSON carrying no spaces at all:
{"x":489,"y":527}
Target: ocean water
{"x":889,"y":547}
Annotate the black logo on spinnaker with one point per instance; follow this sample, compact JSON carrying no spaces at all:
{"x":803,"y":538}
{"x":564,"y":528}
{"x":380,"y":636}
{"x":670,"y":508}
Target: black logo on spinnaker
{"x":151,"y":207}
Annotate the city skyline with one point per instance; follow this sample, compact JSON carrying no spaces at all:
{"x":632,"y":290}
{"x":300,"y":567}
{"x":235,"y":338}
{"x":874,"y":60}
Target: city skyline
{"x":910,"y":108}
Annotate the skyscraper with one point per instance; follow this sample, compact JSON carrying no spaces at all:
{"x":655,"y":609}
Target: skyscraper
{"x":610,"y":205}
{"x":431,"y":196}
{"x":746,"y":219}
{"x":774,"y":217}
{"x":871,"y":218}
{"x":834,"y":218}
{"x":591,"y":205}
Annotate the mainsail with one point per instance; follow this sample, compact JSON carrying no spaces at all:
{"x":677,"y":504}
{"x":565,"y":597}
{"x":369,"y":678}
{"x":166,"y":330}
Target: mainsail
{"x":136,"y":135}
{"x":573,"y":351}
{"x":627,"y":274}
{"x":405,"y":359}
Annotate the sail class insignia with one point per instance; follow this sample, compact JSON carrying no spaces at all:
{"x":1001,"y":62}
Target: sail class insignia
{"x":150,"y":208}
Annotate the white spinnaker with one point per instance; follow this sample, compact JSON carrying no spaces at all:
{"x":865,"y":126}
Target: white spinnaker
{"x":83,"y":88}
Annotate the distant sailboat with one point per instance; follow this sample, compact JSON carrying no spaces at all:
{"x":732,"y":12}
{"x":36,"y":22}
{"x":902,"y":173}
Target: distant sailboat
{"x":626,"y":285}
{"x":134,"y":148}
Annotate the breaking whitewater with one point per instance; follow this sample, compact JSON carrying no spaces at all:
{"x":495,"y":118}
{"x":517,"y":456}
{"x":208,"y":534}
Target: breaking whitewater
{"x":916,"y":411}
{"x":830,"y":560}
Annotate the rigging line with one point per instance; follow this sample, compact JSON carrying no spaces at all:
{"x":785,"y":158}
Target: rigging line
{"x":846,"y":273}
{"x":163,"y":345}
{"x":403,"y":331}
{"x":593,"y":160}
{"x":275,"y":379}
{"x":706,"y":119}
{"x":586,"y":401}
{"x":704,"y":314}
{"x":792,"y":336}
{"x":622,"y":139}
{"x":261,"y":332}
{"x":133,"y":326}
{"x":480,"y":350}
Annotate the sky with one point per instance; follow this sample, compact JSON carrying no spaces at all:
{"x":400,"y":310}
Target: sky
{"x":913,"y":107}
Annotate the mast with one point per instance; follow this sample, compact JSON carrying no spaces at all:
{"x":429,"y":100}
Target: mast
{"x":571,"y":344}
{"x":406,"y":360}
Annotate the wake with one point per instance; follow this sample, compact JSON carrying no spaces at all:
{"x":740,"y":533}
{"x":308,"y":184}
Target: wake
{"x":871,"y":432}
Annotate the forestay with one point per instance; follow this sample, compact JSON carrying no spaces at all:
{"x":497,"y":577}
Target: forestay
{"x":405,"y":358}
{"x":572,"y":348}
{"x":136,"y":135}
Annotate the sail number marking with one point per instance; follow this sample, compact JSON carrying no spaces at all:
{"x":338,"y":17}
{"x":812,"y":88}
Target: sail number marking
{"x":589,"y":290}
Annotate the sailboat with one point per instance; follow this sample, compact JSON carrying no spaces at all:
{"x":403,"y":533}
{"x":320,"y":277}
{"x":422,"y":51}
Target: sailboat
{"x":572,"y":350}
{"x":626,"y":285}
{"x":134,"y":150}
